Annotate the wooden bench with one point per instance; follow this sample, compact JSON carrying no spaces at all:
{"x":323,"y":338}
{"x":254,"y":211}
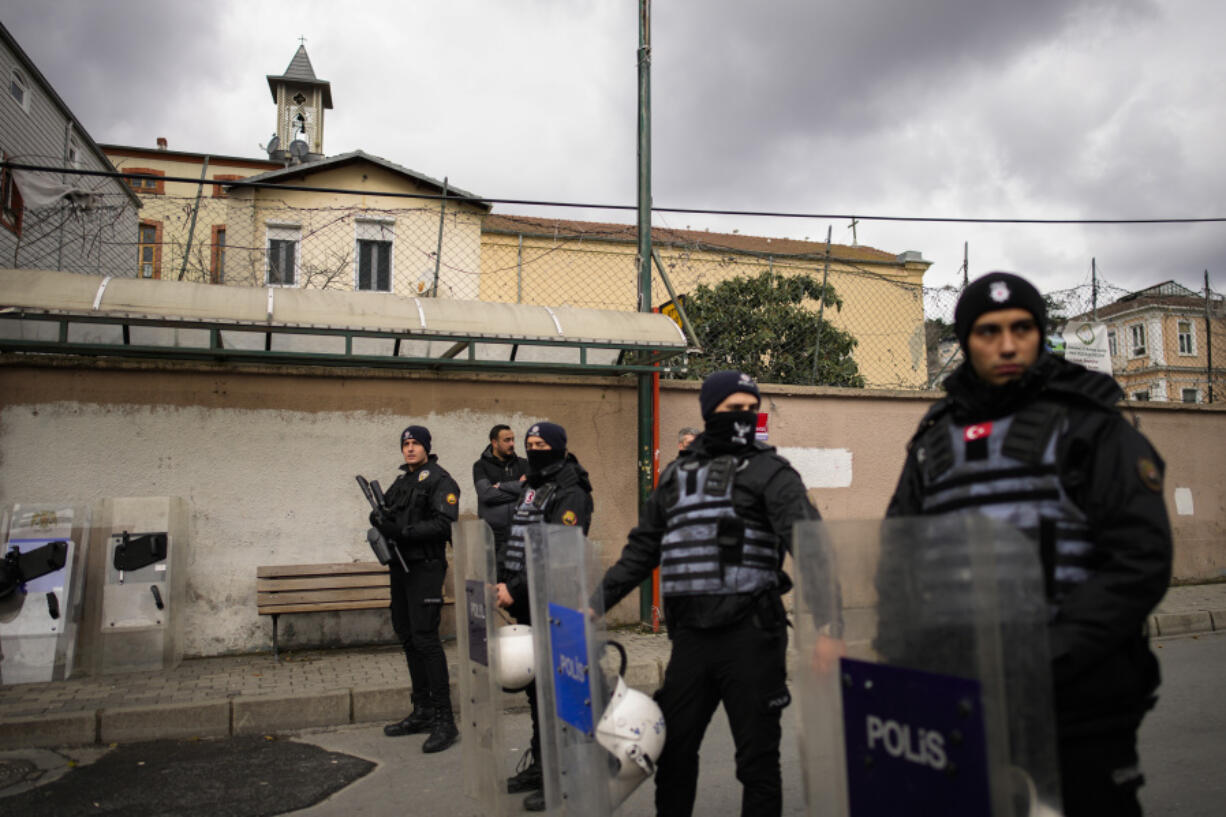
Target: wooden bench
{"x":319,"y":589}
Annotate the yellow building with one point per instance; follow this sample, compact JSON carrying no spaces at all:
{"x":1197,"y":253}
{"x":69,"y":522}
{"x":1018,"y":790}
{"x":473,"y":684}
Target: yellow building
{"x":369,"y":224}
{"x":1167,"y":344}
{"x":392,"y":231}
{"x":182,"y":231}
{"x":578,"y":263}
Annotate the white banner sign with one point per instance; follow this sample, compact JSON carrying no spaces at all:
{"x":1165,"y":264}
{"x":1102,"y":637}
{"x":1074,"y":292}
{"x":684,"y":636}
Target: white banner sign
{"x":1086,"y":343}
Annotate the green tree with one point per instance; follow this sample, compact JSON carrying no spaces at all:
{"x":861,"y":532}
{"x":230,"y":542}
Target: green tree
{"x":762,"y":326}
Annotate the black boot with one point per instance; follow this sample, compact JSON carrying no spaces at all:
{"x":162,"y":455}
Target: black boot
{"x":535,"y":801}
{"x":421,"y":720}
{"x":442,"y":735}
{"x":527,"y":775}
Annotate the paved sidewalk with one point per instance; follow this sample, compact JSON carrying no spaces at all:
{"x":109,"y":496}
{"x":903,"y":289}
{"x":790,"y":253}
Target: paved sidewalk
{"x":252,"y":694}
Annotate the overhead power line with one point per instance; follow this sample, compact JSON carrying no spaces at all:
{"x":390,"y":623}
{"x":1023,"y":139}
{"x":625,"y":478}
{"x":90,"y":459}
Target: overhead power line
{"x":587,"y":205}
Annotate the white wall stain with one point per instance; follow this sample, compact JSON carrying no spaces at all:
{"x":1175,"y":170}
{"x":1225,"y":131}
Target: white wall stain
{"x":821,"y":467}
{"x":1183,"y":501}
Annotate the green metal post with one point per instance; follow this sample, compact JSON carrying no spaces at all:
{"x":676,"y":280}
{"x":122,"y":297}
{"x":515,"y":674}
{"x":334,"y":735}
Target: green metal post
{"x":646,"y":418}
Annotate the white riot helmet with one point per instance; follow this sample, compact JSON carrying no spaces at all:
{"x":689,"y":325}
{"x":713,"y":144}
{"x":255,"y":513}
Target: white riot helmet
{"x":513,"y":659}
{"x":632,"y":731}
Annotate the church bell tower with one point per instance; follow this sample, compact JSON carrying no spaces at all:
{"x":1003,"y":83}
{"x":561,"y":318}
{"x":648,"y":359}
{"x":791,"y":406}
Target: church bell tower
{"x":301,"y":101}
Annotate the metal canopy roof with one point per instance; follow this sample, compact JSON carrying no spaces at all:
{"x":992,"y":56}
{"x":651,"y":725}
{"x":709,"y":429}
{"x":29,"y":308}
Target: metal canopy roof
{"x":52,"y":311}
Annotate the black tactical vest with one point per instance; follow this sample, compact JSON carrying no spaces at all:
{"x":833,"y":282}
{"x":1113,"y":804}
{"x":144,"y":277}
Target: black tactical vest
{"x":708,"y":549}
{"x":531,"y":510}
{"x":1006,"y":469}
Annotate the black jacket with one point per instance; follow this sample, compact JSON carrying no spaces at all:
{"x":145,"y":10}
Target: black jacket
{"x":423,"y":504}
{"x":497,"y":505}
{"x":571,"y":505}
{"x":1101,"y":662}
{"x":767,"y":490}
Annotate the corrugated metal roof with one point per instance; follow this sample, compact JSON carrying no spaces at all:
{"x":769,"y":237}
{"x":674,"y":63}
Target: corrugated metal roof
{"x":38,"y":296}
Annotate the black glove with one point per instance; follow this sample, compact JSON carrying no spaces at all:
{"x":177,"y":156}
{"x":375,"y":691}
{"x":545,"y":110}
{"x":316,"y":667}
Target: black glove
{"x":380,"y":521}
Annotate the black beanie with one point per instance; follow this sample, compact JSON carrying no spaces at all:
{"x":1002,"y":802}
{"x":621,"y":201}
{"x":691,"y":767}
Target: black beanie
{"x":551,"y":433}
{"x":719,"y":385}
{"x":997,"y":290}
{"x":419,"y":433}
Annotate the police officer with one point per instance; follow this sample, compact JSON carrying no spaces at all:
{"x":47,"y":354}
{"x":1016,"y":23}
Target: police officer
{"x":718,"y":525}
{"x":499,"y":477}
{"x":1034,"y":440}
{"x":418,"y":511}
{"x":558,"y":492}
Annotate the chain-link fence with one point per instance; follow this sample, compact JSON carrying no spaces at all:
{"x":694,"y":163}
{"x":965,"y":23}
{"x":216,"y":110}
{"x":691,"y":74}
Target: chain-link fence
{"x":787,"y":311}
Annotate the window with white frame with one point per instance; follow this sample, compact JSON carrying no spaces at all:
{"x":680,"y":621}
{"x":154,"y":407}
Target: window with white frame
{"x":283,"y":243}
{"x":1112,"y":347}
{"x":373,"y":270}
{"x":1191,"y":395}
{"x":74,"y":152}
{"x":1187,"y":338}
{"x":19,"y":89}
{"x":1136,"y":338}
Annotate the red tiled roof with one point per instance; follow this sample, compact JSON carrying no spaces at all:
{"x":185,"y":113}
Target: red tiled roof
{"x":666,"y":236}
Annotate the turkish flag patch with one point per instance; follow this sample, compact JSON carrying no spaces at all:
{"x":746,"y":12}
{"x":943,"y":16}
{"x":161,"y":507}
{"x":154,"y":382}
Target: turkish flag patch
{"x":977,"y":432}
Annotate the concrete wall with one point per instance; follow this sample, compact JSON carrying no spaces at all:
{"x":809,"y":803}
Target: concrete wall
{"x":266,"y":460}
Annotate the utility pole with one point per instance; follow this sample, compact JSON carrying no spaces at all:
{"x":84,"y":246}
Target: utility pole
{"x":646,"y":455}
{"x":821,"y":311}
{"x":966,"y":266}
{"x":1208,"y":336}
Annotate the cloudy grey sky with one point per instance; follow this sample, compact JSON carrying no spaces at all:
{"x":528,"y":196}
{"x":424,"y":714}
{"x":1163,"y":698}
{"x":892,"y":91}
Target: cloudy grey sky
{"x":1066,"y":109}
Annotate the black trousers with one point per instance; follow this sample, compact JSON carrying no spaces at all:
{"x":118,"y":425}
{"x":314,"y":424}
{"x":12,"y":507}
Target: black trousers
{"x":1100,"y":775}
{"x":417,"y":610}
{"x":742,"y":667}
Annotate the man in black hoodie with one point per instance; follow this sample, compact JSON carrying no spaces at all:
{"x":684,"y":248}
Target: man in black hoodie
{"x":558,"y":492}
{"x":416,"y":518}
{"x":499,"y":477}
{"x":718,"y":525}
{"x":1033,"y":440}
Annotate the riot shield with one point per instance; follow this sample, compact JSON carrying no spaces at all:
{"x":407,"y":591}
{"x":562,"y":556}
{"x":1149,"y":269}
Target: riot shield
{"x":589,"y":767}
{"x":42,"y":588}
{"x":942,"y":703}
{"x":139,"y":615}
{"x":487,"y":757}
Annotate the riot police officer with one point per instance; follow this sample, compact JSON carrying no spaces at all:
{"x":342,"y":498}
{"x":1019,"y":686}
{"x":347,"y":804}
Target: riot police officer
{"x":416,"y":519}
{"x":558,"y":492}
{"x":718,"y":525}
{"x":1033,"y":440}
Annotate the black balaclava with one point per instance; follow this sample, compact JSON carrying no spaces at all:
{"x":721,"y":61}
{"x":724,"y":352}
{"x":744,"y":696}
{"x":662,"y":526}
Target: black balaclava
{"x":555,"y":436}
{"x":727,"y":430}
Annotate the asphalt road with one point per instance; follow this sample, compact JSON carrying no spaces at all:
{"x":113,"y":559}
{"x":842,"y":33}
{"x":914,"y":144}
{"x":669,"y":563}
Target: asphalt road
{"x":321,"y":773}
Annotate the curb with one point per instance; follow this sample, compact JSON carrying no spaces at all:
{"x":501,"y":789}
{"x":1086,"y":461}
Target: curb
{"x":259,"y":714}
{"x":1202,"y":621}
{"x":238,"y":715}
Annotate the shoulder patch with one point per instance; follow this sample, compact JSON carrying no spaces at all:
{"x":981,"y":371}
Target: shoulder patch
{"x":1150,"y":475}
{"x":422,"y":475}
{"x":452,"y":499}
{"x":569,"y":518}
